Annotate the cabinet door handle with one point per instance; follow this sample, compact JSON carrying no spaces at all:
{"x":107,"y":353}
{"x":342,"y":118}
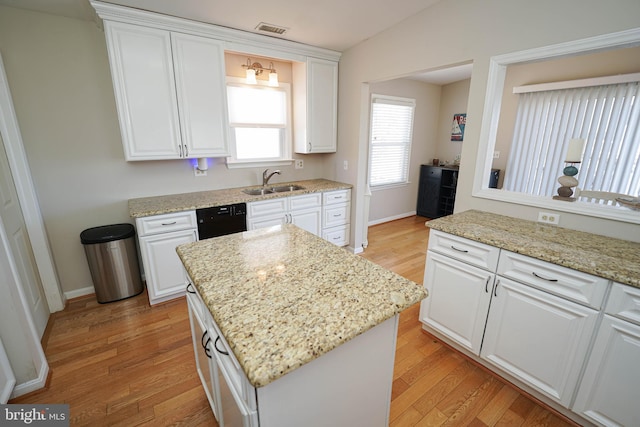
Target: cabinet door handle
{"x":543,"y":278}
{"x":180,"y":147}
{"x":205,"y":345}
{"x":169,"y":223}
{"x":495,"y":290}
{"x":309,"y":145}
{"x":459,"y":250}
{"x":190,"y":285}
{"x":186,"y":151}
{"x":486,"y":285}
{"x":215,"y":345}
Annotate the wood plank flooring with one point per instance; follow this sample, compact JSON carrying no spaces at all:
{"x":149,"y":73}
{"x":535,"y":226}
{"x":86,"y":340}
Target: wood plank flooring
{"x":129,"y":364}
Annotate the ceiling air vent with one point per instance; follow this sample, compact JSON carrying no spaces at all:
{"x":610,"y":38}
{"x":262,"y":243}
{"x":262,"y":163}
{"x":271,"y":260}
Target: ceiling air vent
{"x":270,"y":28}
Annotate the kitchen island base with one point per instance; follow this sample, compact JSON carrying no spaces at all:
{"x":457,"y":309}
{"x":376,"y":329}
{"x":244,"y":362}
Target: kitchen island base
{"x":349,"y":385}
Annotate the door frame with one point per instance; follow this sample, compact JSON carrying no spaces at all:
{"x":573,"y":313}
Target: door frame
{"x":27,"y":196}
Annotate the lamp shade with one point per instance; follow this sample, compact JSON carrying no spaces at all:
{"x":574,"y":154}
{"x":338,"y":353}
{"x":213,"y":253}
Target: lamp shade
{"x":574,"y":152}
{"x":273,"y":79}
{"x":251,"y":76}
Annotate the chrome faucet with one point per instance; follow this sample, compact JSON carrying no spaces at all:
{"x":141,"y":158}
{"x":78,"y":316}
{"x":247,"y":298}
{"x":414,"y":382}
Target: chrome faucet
{"x":266,"y":178}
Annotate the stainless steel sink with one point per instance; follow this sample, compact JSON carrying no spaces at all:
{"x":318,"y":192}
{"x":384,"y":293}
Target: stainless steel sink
{"x":257,"y":191}
{"x":285,"y":188}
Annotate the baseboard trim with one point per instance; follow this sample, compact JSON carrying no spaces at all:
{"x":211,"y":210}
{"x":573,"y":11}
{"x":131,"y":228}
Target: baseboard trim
{"x":391,"y":218}
{"x":79,"y":292}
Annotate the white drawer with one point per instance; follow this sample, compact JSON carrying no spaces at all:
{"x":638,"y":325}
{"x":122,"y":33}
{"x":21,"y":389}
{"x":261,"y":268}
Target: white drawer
{"x":312,"y":200}
{"x":166,"y":223}
{"x":624,"y":302}
{"x":338,"y":196}
{"x":334,"y":215}
{"x":339,"y":236}
{"x":267,"y":207}
{"x":580,"y":287}
{"x":466,"y":250}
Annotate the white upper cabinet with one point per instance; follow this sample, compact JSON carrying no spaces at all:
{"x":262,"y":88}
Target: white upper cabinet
{"x":202,"y":95}
{"x":170,"y":93}
{"x":315,"y":94}
{"x":144,"y":85}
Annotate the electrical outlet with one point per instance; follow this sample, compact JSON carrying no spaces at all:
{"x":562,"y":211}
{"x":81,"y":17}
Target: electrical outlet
{"x":548,"y":218}
{"x":198,"y":172}
{"x":496,"y":154}
{"x":299,"y":163}
{"x":346,"y":164}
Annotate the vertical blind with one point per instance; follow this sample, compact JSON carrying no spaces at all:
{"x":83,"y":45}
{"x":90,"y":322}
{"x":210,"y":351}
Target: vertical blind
{"x":390,"y":139}
{"x":606,"y":117}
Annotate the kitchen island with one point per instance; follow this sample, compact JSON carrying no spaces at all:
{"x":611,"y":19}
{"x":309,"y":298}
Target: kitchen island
{"x":310,"y":328}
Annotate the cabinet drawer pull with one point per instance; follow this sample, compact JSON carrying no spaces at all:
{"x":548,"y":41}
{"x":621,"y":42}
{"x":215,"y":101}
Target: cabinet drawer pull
{"x":190,"y":288}
{"x":337,"y":197}
{"x":544,"y":278}
{"x":459,"y":250}
{"x":336,"y":215}
{"x":495,"y":290}
{"x":205,"y":345}
{"x":169,"y":223}
{"x":486,"y":285}
{"x":215,"y":345}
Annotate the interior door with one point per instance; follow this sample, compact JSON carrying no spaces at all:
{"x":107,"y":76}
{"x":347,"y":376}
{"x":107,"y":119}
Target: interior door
{"x":21,"y":250}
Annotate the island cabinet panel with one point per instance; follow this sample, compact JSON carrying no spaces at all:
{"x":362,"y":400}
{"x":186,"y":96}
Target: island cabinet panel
{"x":611,"y":380}
{"x":538,"y":338}
{"x":459,"y":296}
{"x":534,"y":323}
{"x":348,"y":386}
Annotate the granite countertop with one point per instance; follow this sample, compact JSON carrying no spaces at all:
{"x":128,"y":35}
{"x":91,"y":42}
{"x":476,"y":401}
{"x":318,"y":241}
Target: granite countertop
{"x":147,"y":206}
{"x":614,"y":259}
{"x":282,"y":297}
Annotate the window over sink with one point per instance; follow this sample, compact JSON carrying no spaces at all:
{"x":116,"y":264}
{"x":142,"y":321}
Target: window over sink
{"x":259,"y":122}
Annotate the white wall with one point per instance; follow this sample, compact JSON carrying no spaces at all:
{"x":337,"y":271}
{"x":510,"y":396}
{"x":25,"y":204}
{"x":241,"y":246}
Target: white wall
{"x":461,"y":31}
{"x":401,"y":201}
{"x":58,"y":73}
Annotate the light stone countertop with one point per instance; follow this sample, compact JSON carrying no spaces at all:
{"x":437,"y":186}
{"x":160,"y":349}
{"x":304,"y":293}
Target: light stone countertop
{"x":614,"y":259}
{"x":147,"y":206}
{"x":283,"y":297}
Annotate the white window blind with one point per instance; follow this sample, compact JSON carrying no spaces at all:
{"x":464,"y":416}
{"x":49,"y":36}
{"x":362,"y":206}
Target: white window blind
{"x":390,"y":140}
{"x":258,"y":116}
{"x":606,"y":117}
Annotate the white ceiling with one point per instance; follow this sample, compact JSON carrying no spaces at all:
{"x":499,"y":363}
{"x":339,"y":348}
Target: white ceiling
{"x":331,"y":24}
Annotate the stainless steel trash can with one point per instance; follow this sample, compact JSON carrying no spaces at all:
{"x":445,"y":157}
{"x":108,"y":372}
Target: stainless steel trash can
{"x":113,"y":261}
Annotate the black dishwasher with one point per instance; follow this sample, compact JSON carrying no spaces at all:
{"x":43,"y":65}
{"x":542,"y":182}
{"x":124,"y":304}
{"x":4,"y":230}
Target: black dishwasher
{"x":221,"y":220}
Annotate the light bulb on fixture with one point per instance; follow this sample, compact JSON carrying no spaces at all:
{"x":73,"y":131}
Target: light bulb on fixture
{"x":273,"y":76}
{"x":251,"y":76}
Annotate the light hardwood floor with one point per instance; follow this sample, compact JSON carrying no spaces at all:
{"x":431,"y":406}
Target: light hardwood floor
{"x":127,"y":363}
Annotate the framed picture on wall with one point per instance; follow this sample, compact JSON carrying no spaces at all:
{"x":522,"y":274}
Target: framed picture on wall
{"x":457,"y":127}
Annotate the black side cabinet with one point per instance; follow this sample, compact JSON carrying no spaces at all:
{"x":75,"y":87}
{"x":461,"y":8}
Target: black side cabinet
{"x":437,"y":190}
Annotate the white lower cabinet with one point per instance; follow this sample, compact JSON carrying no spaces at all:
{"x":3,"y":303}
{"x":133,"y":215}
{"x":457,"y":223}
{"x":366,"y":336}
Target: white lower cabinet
{"x":158,"y":236}
{"x":611,"y":381}
{"x":538,"y":338}
{"x":324,"y":214}
{"x":458,"y":301}
{"x":303,"y":211}
{"x":551,"y":330}
{"x":336,"y":215}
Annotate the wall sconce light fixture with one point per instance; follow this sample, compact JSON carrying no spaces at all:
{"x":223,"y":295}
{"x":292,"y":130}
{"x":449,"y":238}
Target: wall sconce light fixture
{"x":568,"y":180}
{"x":255,"y":69}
